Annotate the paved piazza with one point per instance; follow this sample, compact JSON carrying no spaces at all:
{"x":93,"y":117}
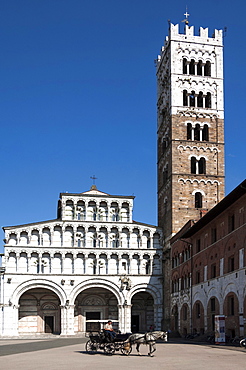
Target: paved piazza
{"x":69,"y":353}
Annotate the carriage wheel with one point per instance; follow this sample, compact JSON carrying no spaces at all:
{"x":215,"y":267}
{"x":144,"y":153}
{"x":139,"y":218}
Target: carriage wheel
{"x":109,"y":348}
{"x":126,"y":348}
{"x":91,"y":347}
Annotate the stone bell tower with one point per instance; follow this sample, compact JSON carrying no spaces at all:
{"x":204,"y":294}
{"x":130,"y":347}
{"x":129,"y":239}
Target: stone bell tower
{"x":190,"y":130}
{"x":190,"y":126}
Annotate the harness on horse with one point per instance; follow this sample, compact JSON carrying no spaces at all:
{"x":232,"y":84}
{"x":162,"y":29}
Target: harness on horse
{"x":145,"y":338}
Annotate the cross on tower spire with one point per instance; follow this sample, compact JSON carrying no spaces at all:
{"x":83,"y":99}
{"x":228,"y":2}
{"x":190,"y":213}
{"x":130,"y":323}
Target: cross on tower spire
{"x":186,"y":14}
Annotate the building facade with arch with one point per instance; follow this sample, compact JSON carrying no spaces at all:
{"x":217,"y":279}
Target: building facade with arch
{"x":92,"y":263}
{"x":208,"y":275}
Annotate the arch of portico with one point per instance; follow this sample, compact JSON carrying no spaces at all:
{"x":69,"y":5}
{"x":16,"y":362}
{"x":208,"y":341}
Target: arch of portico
{"x":13,"y":309}
{"x":155,"y":314}
{"x":100,"y":296}
{"x":97,"y":283}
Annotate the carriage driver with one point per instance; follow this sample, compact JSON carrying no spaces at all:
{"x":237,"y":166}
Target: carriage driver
{"x":109,"y":329}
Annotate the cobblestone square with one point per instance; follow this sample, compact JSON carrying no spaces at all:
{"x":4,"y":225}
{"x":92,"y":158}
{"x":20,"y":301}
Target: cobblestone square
{"x":69,"y":353}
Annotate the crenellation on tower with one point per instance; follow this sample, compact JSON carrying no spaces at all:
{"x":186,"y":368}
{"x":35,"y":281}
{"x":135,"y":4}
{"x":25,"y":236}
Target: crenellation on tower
{"x":189,"y":35}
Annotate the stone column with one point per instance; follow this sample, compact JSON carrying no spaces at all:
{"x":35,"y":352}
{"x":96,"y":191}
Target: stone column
{"x":157,"y":316}
{"x":28,"y":261}
{"x":40,"y":263}
{"x":150,"y":265}
{"x":86,"y":210}
{"x":241,"y":253}
{"x":51,"y":237}
{"x":151,"y":241}
{"x":63,"y":320}
{"x":192,"y":134}
{"x":125,"y":318}
{"x":51,"y":262}
{"x":205,"y":273}
{"x":10,"y":319}
{"x":62,"y":262}
{"x":67,"y":319}
{"x":130,"y":265}
{"x":17,"y":261}
{"x":130,"y":213}
{"x":241,"y":324}
{"x":121,"y":318}
{"x":200,"y":132}
{"x":85,"y":263}
{"x":221,"y":266}
{"x":107,"y":258}
{"x":140,"y":260}
{"x":118,"y":267}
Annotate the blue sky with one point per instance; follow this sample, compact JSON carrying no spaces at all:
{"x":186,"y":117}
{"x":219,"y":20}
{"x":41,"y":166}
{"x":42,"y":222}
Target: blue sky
{"x":78,"y":98}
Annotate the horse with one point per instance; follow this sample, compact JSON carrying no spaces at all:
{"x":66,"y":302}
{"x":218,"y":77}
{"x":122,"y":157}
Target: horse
{"x":147,"y":338}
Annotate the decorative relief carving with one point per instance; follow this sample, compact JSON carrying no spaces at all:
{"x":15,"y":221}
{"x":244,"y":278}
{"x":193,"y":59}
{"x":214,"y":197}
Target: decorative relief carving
{"x":199,"y":181}
{"x":185,"y":147}
{"x":194,"y":113}
{"x":93,"y":301}
{"x":49,"y":306}
{"x":125,"y":283}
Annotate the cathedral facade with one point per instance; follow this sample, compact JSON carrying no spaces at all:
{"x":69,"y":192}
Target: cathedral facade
{"x":91,"y":264}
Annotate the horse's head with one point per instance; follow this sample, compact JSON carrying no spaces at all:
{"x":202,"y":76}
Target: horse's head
{"x":164,"y":336}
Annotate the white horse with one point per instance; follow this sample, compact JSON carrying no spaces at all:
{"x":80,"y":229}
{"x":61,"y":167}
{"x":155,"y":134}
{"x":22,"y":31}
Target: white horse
{"x":147,"y":338}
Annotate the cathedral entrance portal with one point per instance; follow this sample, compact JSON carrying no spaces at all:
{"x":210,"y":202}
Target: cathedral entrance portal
{"x":49,"y":324}
{"x":142,"y":317}
{"x":92,"y":306}
{"x":39,"y":312}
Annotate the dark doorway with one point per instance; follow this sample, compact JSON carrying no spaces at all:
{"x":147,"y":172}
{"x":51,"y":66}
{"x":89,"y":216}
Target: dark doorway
{"x":93,"y":326}
{"x":49,"y":324}
{"x":135,"y":323}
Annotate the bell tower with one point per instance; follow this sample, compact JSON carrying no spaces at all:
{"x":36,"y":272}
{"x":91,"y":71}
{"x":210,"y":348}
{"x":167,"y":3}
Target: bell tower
{"x":190,"y":133}
{"x":190,"y":126}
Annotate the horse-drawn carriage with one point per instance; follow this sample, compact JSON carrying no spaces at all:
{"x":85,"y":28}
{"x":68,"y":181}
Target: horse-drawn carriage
{"x":102,"y":341}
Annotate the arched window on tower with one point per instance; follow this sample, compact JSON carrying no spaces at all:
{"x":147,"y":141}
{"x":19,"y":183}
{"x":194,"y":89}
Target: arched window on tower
{"x":185,"y":98}
{"x":184,"y":66}
{"x":165,"y":174}
{"x":208,"y":100}
{"x":200,"y":99}
{"x":192,"y":99}
{"x":198,"y":200}
{"x":164,"y":144}
{"x":193,"y":165}
{"x":198,"y":167}
{"x":197,"y":132}
{"x":207,"y":69}
{"x":205,"y":136}
{"x":202,"y":166}
{"x":165,"y":206}
{"x":199,"y":68}
{"x":189,"y":131}
{"x":192,"y":67}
